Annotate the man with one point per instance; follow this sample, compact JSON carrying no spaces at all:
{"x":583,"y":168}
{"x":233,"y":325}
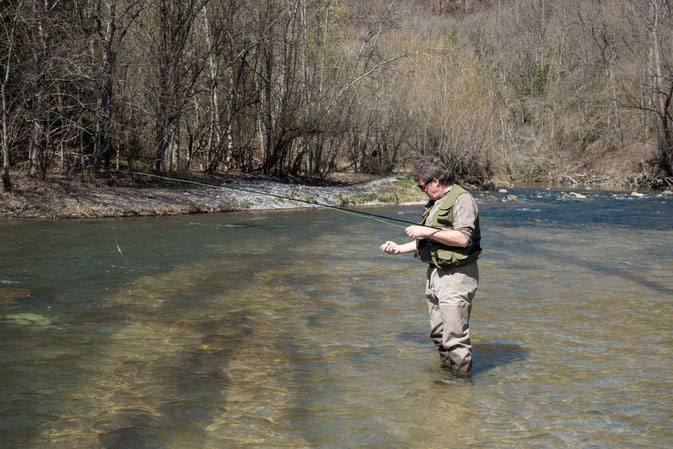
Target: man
{"x":448,"y":240}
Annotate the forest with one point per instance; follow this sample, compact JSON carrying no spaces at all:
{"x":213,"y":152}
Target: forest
{"x":522,"y":90}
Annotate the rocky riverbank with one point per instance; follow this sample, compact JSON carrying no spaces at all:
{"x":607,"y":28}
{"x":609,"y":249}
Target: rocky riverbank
{"x":124,"y":196}
{"x":120,"y":195}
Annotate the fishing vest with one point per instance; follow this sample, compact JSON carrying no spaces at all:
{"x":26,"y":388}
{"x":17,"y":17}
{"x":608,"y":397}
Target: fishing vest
{"x":444,"y":256}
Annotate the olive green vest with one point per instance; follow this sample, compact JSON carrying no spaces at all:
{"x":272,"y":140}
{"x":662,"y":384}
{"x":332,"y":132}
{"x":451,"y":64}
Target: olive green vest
{"x":444,"y":256}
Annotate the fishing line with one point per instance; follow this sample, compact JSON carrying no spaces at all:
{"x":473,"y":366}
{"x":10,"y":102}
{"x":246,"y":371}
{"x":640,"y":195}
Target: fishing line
{"x":118,"y":248}
{"x":376,"y":217}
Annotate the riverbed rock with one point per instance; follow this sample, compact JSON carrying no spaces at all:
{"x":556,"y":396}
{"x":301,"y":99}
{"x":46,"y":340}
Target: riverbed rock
{"x":578,"y":196}
{"x":637,"y":194}
{"x":28,"y":319}
{"x":9,"y":295}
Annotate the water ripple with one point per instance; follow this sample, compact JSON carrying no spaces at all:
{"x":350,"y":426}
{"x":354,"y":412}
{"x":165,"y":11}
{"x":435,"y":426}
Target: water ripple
{"x":270,"y":331}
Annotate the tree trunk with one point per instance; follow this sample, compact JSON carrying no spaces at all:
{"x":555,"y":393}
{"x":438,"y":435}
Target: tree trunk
{"x":6,"y":182}
{"x":667,"y":121}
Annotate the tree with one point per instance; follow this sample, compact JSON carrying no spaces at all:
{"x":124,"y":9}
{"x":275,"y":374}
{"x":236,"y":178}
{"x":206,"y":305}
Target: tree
{"x":113,"y":19}
{"x":10,"y":21}
{"x":178,"y":70}
{"x":655,"y":18}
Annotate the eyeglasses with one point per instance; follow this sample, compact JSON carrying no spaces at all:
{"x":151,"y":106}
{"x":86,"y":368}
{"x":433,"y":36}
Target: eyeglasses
{"x":423,"y":186}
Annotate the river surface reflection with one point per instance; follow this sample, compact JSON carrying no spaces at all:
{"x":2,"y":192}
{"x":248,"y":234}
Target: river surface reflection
{"x":290,"y":329}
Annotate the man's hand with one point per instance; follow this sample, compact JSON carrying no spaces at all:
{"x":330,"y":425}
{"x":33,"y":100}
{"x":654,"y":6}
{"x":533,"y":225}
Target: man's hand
{"x":419,"y":232}
{"x":449,"y":237}
{"x":391,"y":248}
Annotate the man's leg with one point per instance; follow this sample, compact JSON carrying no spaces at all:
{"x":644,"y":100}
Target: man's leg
{"x":450,"y":331}
{"x":450,"y":294}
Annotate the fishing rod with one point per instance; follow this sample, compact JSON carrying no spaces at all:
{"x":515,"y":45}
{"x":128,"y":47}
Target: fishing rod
{"x":282,"y":197}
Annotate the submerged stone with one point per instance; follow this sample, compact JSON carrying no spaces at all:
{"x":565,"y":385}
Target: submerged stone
{"x":10,"y":295}
{"x":28,"y":319}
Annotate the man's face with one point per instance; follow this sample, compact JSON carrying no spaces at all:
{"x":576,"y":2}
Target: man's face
{"x":431,"y":188}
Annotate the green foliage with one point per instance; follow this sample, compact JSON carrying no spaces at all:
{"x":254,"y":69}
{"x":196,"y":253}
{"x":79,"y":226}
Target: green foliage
{"x":405,"y":182}
{"x":541,"y":75}
{"x":362,"y":198}
{"x":193,"y":208}
{"x":523,"y":83}
{"x":399,"y":190}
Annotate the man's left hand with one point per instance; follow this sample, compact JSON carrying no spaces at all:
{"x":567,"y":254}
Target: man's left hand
{"x":419,"y":232}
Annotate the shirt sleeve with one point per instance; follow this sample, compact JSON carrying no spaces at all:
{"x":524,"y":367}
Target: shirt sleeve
{"x":465,"y":213}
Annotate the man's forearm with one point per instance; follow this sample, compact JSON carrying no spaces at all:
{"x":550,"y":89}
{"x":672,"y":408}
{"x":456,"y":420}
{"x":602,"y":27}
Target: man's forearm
{"x":449,"y":237}
{"x":393,"y":248}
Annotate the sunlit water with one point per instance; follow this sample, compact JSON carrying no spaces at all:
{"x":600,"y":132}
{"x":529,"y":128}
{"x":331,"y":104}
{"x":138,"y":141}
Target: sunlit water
{"x":292,"y":330}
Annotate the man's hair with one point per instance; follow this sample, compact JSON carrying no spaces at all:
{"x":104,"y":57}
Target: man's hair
{"x":431,"y":167}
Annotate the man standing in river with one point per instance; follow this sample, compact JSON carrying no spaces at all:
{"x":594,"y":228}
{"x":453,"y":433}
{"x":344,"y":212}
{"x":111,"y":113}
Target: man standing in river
{"x":450,"y":245}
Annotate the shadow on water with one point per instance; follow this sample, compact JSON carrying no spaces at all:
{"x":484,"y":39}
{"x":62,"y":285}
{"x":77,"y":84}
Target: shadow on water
{"x":487,"y":356}
{"x":181,"y":383}
{"x":628,"y":275}
{"x":539,"y":246}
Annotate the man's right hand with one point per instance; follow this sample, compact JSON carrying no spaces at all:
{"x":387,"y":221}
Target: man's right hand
{"x":390,"y":248}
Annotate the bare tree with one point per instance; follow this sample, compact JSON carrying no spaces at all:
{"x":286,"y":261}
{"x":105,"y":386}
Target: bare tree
{"x":656,"y":17}
{"x":603,"y":28}
{"x":43,"y":19}
{"x":113,"y":19}
{"x":177,"y":70}
{"x":10,"y":21}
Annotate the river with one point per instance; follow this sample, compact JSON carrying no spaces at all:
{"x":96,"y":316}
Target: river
{"x":291,"y":329}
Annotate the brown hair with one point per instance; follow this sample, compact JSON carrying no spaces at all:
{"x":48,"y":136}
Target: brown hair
{"x":431,"y":167}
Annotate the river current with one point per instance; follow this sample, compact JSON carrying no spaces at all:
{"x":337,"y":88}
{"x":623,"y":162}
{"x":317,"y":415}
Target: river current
{"x":290,"y":329}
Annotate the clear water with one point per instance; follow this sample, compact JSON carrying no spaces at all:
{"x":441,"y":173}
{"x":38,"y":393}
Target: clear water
{"x":291,"y":329}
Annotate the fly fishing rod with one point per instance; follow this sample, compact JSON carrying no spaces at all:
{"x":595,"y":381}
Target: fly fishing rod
{"x":287,"y":198}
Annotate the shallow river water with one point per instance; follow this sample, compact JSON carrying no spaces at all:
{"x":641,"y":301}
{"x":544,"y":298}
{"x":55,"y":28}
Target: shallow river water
{"x":290,"y":329}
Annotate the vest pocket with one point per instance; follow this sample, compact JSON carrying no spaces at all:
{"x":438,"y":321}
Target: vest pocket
{"x":424,"y":250}
{"x":453,"y":257}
